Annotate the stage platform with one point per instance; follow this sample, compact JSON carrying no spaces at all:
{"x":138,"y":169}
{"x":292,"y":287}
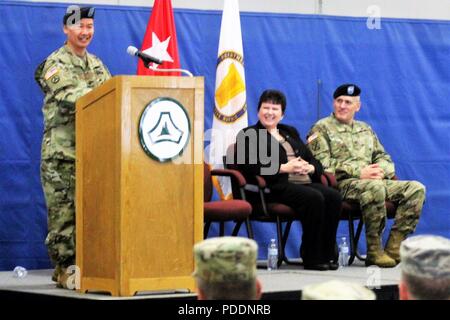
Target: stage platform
{"x":283,"y":284}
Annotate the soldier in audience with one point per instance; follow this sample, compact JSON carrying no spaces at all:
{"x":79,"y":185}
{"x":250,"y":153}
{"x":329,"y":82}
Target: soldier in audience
{"x":425,"y":268}
{"x":225,"y":269}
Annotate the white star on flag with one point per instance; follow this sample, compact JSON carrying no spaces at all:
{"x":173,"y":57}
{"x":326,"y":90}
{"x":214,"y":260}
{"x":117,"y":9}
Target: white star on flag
{"x":159,"y":49}
{"x":161,"y":25}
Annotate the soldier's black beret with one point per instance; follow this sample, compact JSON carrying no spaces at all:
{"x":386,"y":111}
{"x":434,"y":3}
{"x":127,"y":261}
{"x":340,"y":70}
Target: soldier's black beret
{"x":72,"y":12}
{"x":347,"y":89}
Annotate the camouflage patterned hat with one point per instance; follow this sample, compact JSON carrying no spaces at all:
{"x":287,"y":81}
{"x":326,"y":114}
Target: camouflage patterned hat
{"x":426,"y":256}
{"x":225,"y":259}
{"x":337,"y":290}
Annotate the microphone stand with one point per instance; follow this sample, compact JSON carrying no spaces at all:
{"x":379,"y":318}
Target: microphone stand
{"x":153,"y":68}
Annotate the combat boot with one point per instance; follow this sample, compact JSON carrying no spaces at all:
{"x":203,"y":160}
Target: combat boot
{"x":392,"y":248}
{"x":56,"y":273}
{"x":376,"y":255}
{"x":63,"y":279}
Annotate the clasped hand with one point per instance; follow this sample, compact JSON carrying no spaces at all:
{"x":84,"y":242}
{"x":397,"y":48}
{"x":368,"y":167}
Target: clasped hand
{"x":373,"y":171}
{"x":297,"y":166}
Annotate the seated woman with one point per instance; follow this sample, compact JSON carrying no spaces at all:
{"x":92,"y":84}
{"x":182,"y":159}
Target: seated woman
{"x":276,"y":152}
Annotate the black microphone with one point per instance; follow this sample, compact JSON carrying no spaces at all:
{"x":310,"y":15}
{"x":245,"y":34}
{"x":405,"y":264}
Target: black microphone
{"x":145,"y":57}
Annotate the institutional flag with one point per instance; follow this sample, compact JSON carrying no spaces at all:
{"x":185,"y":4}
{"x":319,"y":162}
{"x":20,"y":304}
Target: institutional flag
{"x":230,"y":109}
{"x":160,"y":40}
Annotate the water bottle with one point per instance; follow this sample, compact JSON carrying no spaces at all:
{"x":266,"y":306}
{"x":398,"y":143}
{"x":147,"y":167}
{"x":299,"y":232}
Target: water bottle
{"x":272,"y":255}
{"x":20,"y":272}
{"x":343,"y":253}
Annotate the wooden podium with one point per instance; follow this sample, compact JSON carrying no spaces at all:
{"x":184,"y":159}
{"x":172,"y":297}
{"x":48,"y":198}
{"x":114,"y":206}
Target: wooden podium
{"x":137,"y":218}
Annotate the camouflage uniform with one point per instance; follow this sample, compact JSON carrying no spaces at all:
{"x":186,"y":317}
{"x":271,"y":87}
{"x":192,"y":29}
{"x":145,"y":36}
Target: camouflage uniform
{"x":225,"y":267}
{"x":63,"y":77}
{"x":425,"y":268}
{"x":426,"y":256}
{"x":346,"y":149}
{"x":225,"y":259}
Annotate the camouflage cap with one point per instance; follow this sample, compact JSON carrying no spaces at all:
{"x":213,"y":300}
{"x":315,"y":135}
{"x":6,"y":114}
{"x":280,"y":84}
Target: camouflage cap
{"x":426,"y":256}
{"x":337,"y":290}
{"x":74,"y":12}
{"x":225,"y":259}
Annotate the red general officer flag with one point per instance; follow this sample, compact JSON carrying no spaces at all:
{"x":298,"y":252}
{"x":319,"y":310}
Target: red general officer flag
{"x":160,"y":40}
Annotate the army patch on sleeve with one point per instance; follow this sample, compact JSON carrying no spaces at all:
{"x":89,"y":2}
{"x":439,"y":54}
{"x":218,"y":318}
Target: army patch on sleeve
{"x":312,"y":137}
{"x":51,"y":72}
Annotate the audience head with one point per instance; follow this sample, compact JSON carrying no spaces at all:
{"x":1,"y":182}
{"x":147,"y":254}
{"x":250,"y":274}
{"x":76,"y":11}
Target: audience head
{"x":225,"y":268}
{"x":425,"y":268}
{"x":337,"y":290}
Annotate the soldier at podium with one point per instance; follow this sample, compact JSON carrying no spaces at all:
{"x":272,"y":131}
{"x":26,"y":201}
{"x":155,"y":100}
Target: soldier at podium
{"x":67,"y":74}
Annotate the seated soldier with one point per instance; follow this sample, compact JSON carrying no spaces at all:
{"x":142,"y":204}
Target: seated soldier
{"x":351,"y":150}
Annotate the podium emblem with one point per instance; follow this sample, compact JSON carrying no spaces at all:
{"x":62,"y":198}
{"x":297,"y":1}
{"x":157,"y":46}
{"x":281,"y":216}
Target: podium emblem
{"x":164,"y":129}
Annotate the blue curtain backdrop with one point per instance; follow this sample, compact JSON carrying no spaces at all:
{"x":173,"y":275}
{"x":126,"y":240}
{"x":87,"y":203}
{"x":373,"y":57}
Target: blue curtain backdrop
{"x":402,"y":68}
